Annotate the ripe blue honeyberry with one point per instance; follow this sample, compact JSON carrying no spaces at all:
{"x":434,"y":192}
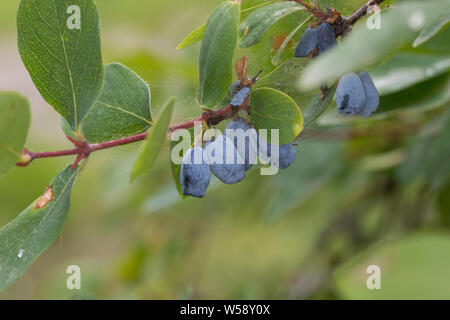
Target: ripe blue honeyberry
{"x":240,"y":97}
{"x":246,"y":135}
{"x":372,"y":96}
{"x":234,"y":87}
{"x":350,"y":95}
{"x":229,"y":167}
{"x":194,"y":173}
{"x":286,"y":155}
{"x":326,"y":36}
{"x":308,"y":43}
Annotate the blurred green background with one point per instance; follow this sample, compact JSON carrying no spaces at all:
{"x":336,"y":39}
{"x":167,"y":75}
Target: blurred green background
{"x":360,"y":193}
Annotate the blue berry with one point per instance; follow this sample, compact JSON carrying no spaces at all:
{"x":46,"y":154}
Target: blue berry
{"x":240,"y":97}
{"x":372,"y":96}
{"x":234,"y":87}
{"x":225,"y":161}
{"x":194,"y":173}
{"x":286,"y":155}
{"x":327,"y":38}
{"x":350,"y":95}
{"x":308,"y":43}
{"x":241,"y":129}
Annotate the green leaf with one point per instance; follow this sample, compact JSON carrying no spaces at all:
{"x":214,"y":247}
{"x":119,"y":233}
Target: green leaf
{"x":318,"y":105}
{"x":304,"y":177}
{"x":259,"y":21}
{"x":273,"y":109}
{"x":123,"y":108}
{"x":426,"y":156}
{"x":284,"y":77}
{"x":432,"y":28}
{"x":278,"y":57}
{"x":25,"y":238}
{"x":216,"y":54}
{"x":154,"y":142}
{"x":406,"y":69}
{"x":365,"y":47}
{"x":14,"y":124}
{"x":415,"y":267}
{"x":65,"y":64}
{"x":192,"y":38}
{"x":429,"y":94}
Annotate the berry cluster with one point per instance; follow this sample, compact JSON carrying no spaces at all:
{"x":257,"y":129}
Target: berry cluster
{"x":356,"y":93}
{"x":199,"y":162}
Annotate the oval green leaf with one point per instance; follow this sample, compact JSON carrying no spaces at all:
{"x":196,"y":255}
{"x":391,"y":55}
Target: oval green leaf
{"x":406,"y":69}
{"x":154,"y":142}
{"x":123,"y":108}
{"x":14,"y":124}
{"x":273,"y":109}
{"x":432,"y":28}
{"x":216,"y":54}
{"x":65,"y":64}
{"x":26,"y":237}
{"x":259,"y":21}
{"x":192,"y":38}
{"x":318,"y":105}
{"x":278,"y":57}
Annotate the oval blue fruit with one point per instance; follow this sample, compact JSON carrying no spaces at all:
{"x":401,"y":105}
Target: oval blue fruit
{"x":350,"y":94}
{"x":286,"y":155}
{"x":245,"y":139}
{"x":326,"y":37}
{"x":308,"y":43}
{"x":194,"y":173}
{"x":225,"y":161}
{"x":372,"y":96}
{"x":240,"y":97}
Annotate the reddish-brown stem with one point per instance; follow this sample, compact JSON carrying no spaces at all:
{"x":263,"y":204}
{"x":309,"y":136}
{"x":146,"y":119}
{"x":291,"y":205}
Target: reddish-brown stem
{"x":361,"y":12}
{"x":84,"y":149}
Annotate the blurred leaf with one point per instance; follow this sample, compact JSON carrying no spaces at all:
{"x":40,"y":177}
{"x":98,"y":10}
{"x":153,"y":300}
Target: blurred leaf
{"x":431,"y":29}
{"x":311,"y":170}
{"x":318,"y":105}
{"x":34,"y":230}
{"x":400,"y":26}
{"x":65,"y":65}
{"x":123,"y":108}
{"x":192,"y":38}
{"x":429,"y":94}
{"x":272,"y":109}
{"x":415,"y":267}
{"x":216,"y":54}
{"x":151,"y":147}
{"x":278,"y":57}
{"x":443,"y":204}
{"x":408,"y":68}
{"x":14,"y":124}
{"x":428,"y":157}
{"x":257,"y":23}
{"x":131,"y":267}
